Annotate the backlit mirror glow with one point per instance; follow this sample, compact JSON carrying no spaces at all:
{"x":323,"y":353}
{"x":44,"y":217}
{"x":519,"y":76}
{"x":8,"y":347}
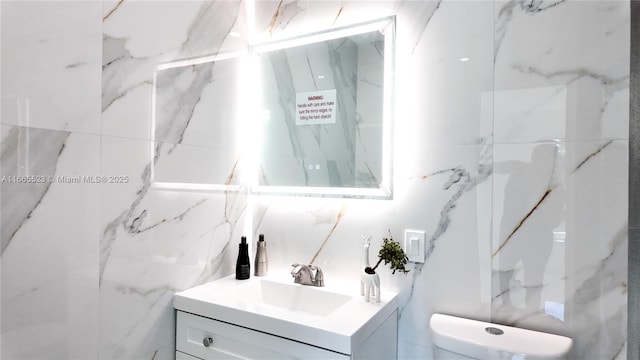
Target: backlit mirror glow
{"x":306,"y":116}
{"x":196,"y":124}
{"x":325,"y":124}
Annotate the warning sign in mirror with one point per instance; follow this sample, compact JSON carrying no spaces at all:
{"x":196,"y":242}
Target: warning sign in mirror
{"x":316,"y":107}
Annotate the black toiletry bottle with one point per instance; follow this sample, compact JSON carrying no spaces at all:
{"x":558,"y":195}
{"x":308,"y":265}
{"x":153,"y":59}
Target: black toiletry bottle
{"x":243,"y":269}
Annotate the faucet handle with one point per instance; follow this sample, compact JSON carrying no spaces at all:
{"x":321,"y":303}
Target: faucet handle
{"x":296,"y":269}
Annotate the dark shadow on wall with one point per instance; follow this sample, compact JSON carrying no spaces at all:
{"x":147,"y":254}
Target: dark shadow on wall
{"x":530,"y":242}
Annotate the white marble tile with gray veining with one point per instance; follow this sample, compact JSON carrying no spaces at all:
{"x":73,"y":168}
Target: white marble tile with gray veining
{"x":114,"y":254}
{"x":146,"y":251}
{"x":446,"y":82}
{"x":169,"y":240}
{"x":49,"y":237}
{"x":29,"y":168}
{"x":51,"y":65}
{"x":547,"y":195}
{"x":419,"y":14}
{"x":196,"y":114}
{"x":131,"y":54}
{"x":557,"y":79}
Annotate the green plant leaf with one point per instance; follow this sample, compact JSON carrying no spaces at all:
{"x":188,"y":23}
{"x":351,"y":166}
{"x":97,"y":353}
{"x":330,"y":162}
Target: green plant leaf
{"x":391,"y":253}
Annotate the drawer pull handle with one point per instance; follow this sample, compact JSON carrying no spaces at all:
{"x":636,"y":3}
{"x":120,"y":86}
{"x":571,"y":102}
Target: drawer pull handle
{"x":207,"y":341}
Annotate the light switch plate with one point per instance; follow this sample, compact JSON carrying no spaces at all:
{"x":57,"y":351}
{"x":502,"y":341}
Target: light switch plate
{"x":414,"y":245}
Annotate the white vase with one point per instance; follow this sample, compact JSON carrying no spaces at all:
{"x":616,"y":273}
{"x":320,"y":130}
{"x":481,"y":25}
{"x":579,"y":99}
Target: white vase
{"x":371,"y":284}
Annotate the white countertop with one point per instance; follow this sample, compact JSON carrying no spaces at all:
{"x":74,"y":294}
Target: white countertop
{"x":342,"y":330}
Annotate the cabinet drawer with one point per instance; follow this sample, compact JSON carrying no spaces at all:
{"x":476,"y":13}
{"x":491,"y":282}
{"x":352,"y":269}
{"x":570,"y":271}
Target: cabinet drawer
{"x":234,"y":342}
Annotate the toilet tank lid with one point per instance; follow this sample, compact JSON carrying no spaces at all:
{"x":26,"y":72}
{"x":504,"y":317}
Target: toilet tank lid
{"x":470,"y":337}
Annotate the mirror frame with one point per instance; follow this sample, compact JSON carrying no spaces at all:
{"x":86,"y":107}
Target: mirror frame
{"x":386,"y":26}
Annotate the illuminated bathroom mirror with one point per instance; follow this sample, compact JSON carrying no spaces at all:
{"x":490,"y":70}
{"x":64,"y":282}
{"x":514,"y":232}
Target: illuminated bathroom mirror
{"x":195,"y":129}
{"x":325,"y":122}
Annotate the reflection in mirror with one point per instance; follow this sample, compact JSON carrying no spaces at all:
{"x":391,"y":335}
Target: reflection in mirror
{"x":326,"y":127}
{"x":195,"y":124}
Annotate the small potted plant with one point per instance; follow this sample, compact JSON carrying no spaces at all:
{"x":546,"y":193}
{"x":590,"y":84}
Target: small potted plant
{"x":391,"y":253}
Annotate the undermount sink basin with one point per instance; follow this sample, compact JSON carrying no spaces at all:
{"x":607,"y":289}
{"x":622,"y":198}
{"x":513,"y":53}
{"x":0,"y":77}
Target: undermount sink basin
{"x":331,"y":318}
{"x":291,"y":297}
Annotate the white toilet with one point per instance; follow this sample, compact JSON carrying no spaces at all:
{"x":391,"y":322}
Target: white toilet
{"x":457,"y":338}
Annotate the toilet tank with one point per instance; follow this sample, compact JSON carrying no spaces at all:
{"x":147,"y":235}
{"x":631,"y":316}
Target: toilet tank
{"x":458,"y":338}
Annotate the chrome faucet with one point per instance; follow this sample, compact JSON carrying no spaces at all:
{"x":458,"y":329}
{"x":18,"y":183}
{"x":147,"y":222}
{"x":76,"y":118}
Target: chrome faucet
{"x":307,"y":275}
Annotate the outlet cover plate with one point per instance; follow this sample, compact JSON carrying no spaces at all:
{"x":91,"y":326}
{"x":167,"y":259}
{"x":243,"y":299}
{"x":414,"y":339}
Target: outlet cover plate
{"x":414,"y":245}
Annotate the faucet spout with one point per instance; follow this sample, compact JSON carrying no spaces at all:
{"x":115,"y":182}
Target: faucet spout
{"x":307,"y":275}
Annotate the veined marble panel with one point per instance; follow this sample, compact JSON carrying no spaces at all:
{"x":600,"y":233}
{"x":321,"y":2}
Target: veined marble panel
{"x":29,"y":162}
{"x":444,"y":71}
{"x":198,"y":122}
{"x":155,"y":242}
{"x":51,"y":64}
{"x":456,"y":189}
{"x":559,"y":243}
{"x":276,"y":19}
{"x":196,"y":167}
{"x":138,"y":36}
{"x":49,"y":237}
{"x":560,"y":240}
{"x":202,"y":98}
{"x":572,"y":76}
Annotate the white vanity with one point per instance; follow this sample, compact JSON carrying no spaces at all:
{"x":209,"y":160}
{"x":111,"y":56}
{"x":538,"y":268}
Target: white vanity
{"x":269,"y":318}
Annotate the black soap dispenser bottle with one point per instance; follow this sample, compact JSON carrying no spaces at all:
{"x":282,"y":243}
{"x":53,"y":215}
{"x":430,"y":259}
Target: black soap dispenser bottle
{"x":243,"y":270}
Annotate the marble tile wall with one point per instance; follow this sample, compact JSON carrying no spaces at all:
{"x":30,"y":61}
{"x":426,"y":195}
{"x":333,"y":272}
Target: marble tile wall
{"x":522,"y":190}
{"x":50,"y":114}
{"x":513,"y":162}
{"x":155,"y":241}
{"x":560,"y":164}
{"x":442,"y":165}
{"x":90,"y":267}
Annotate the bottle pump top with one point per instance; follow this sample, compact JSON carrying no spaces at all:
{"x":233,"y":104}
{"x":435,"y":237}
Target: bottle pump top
{"x":243,"y":270}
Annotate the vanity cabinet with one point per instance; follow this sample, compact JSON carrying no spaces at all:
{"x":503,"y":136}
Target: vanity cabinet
{"x":199,"y":337}
{"x":273,"y":318}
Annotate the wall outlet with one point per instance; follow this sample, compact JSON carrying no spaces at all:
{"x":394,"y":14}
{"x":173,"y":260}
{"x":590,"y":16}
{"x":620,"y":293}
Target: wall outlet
{"x":414,"y":245}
